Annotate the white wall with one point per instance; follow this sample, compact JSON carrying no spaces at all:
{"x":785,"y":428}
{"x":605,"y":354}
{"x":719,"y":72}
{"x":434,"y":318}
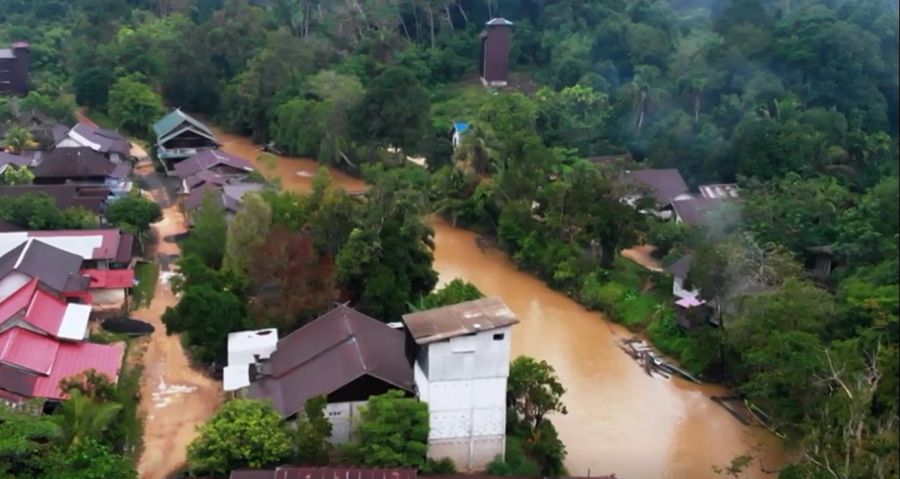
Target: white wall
{"x":11,"y":283}
{"x":463,"y":379}
{"x":679,"y":290}
{"x":343,"y":417}
{"x":469,"y":357}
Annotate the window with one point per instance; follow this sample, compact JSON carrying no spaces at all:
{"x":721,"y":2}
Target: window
{"x":499,"y":337}
{"x":463,"y":344}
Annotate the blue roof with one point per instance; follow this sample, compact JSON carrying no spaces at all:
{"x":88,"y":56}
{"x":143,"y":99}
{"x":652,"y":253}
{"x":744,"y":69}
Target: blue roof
{"x":499,"y":21}
{"x":460,"y":126}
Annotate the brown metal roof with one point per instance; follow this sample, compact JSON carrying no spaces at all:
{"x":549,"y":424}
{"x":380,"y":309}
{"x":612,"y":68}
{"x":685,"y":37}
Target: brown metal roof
{"x":92,"y":198}
{"x":54,"y":267}
{"x":664,"y":184}
{"x":339,"y":347}
{"x":682,"y":267}
{"x":77,"y":163}
{"x":459,"y":319}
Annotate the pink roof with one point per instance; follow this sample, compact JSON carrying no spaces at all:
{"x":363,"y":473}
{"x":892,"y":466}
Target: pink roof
{"x":49,"y":360}
{"x":689,"y":302}
{"x":17,"y":301}
{"x":28,"y":350}
{"x":110,"y":278}
{"x":45,"y":312}
{"x":75,"y":358}
{"x":109,"y":243}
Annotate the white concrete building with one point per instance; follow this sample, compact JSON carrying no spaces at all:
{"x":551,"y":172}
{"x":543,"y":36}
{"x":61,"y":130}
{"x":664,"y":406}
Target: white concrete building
{"x":246,"y":348}
{"x":461,"y":368}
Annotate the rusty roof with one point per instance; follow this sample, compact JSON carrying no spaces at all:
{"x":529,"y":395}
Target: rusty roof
{"x":459,"y":319}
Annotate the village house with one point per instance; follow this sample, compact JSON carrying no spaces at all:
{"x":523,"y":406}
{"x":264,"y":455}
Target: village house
{"x":214,"y":161}
{"x":45,"y":306}
{"x":14,"y":63}
{"x":9,"y":159}
{"x":343,"y":355}
{"x":690,"y":308}
{"x":104,"y":260}
{"x":89,"y":197}
{"x":180,"y":136}
{"x":106,"y":142}
{"x":459,"y":128}
{"x":461,"y":369}
{"x":663,"y":186}
{"x":495,"y":46}
{"x":82,"y":166}
{"x":710,"y":213}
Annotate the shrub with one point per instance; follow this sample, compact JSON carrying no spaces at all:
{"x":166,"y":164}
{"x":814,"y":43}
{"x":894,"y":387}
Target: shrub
{"x":443,"y":465}
{"x":517,"y":462}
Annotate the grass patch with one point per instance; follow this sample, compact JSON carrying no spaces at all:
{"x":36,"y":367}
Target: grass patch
{"x":101,"y":118}
{"x":103,"y":336}
{"x":147,"y":275}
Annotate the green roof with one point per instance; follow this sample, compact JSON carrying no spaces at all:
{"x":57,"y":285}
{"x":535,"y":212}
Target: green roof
{"x":173,"y":119}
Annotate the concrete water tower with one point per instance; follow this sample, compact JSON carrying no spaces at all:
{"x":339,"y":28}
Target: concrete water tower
{"x":495,"y":45}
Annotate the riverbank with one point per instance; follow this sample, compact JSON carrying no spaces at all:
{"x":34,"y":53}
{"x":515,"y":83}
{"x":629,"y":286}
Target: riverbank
{"x":619,"y":418}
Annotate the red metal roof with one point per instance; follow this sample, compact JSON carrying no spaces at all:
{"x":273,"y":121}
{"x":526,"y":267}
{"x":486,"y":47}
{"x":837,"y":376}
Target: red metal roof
{"x":46,"y":312}
{"x":27,"y":350}
{"x":17,"y":301}
{"x":110,"y":278}
{"x":75,"y":358}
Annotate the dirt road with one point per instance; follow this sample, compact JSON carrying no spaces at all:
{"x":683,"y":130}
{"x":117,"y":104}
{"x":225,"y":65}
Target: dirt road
{"x":643,"y":255}
{"x":175,"y":397}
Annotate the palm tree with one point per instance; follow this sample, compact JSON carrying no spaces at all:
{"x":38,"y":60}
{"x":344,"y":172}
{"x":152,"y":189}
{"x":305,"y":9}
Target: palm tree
{"x":475,"y":152}
{"x":18,"y":139}
{"x":80,"y":417}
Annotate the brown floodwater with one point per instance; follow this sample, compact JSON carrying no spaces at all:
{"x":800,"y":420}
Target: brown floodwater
{"x":620,"y":419}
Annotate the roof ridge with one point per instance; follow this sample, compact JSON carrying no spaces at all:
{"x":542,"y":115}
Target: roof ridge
{"x":23,"y":253}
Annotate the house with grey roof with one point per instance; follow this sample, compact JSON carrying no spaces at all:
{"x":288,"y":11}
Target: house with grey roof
{"x":663,"y":186}
{"x":100,"y":140}
{"x":84,"y":166}
{"x":180,"y":136}
{"x":343,"y":355}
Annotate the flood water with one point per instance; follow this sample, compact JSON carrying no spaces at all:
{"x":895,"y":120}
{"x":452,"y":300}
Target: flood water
{"x":620,"y":419}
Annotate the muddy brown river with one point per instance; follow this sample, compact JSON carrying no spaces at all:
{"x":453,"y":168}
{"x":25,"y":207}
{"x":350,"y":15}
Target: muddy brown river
{"x":620,"y":419}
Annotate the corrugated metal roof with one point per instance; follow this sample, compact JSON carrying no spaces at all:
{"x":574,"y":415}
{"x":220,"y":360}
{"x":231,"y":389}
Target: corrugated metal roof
{"x":664,"y":184}
{"x":459,"y":319}
{"x":76,"y":163}
{"x":177,"y":117}
{"x":90,"y":197}
{"x":339,"y":347}
{"x":207,"y":159}
{"x":18,"y":301}
{"x":54,"y":267}
{"x":106,"y":141}
{"x":499,"y":21}
{"x":110,"y":278}
{"x":722,"y":190}
{"x":27,"y":350}
{"x":701,"y":211}
{"x":47,"y":312}
{"x":19,"y":383}
{"x":76,"y":358}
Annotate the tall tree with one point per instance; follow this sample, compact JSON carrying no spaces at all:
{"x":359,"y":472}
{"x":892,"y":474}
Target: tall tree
{"x":393,"y":112}
{"x":247,"y":229}
{"x":533,"y":391}
{"x":134,"y":106}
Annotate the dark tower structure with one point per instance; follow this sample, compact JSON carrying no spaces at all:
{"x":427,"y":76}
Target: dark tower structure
{"x":495,"y":44}
{"x":14,"y":69}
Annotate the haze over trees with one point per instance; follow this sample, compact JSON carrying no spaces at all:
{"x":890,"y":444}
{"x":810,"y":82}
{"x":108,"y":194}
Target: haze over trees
{"x":795,"y":101}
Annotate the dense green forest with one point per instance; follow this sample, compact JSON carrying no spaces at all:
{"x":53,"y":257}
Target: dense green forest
{"x":795,"y":100}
